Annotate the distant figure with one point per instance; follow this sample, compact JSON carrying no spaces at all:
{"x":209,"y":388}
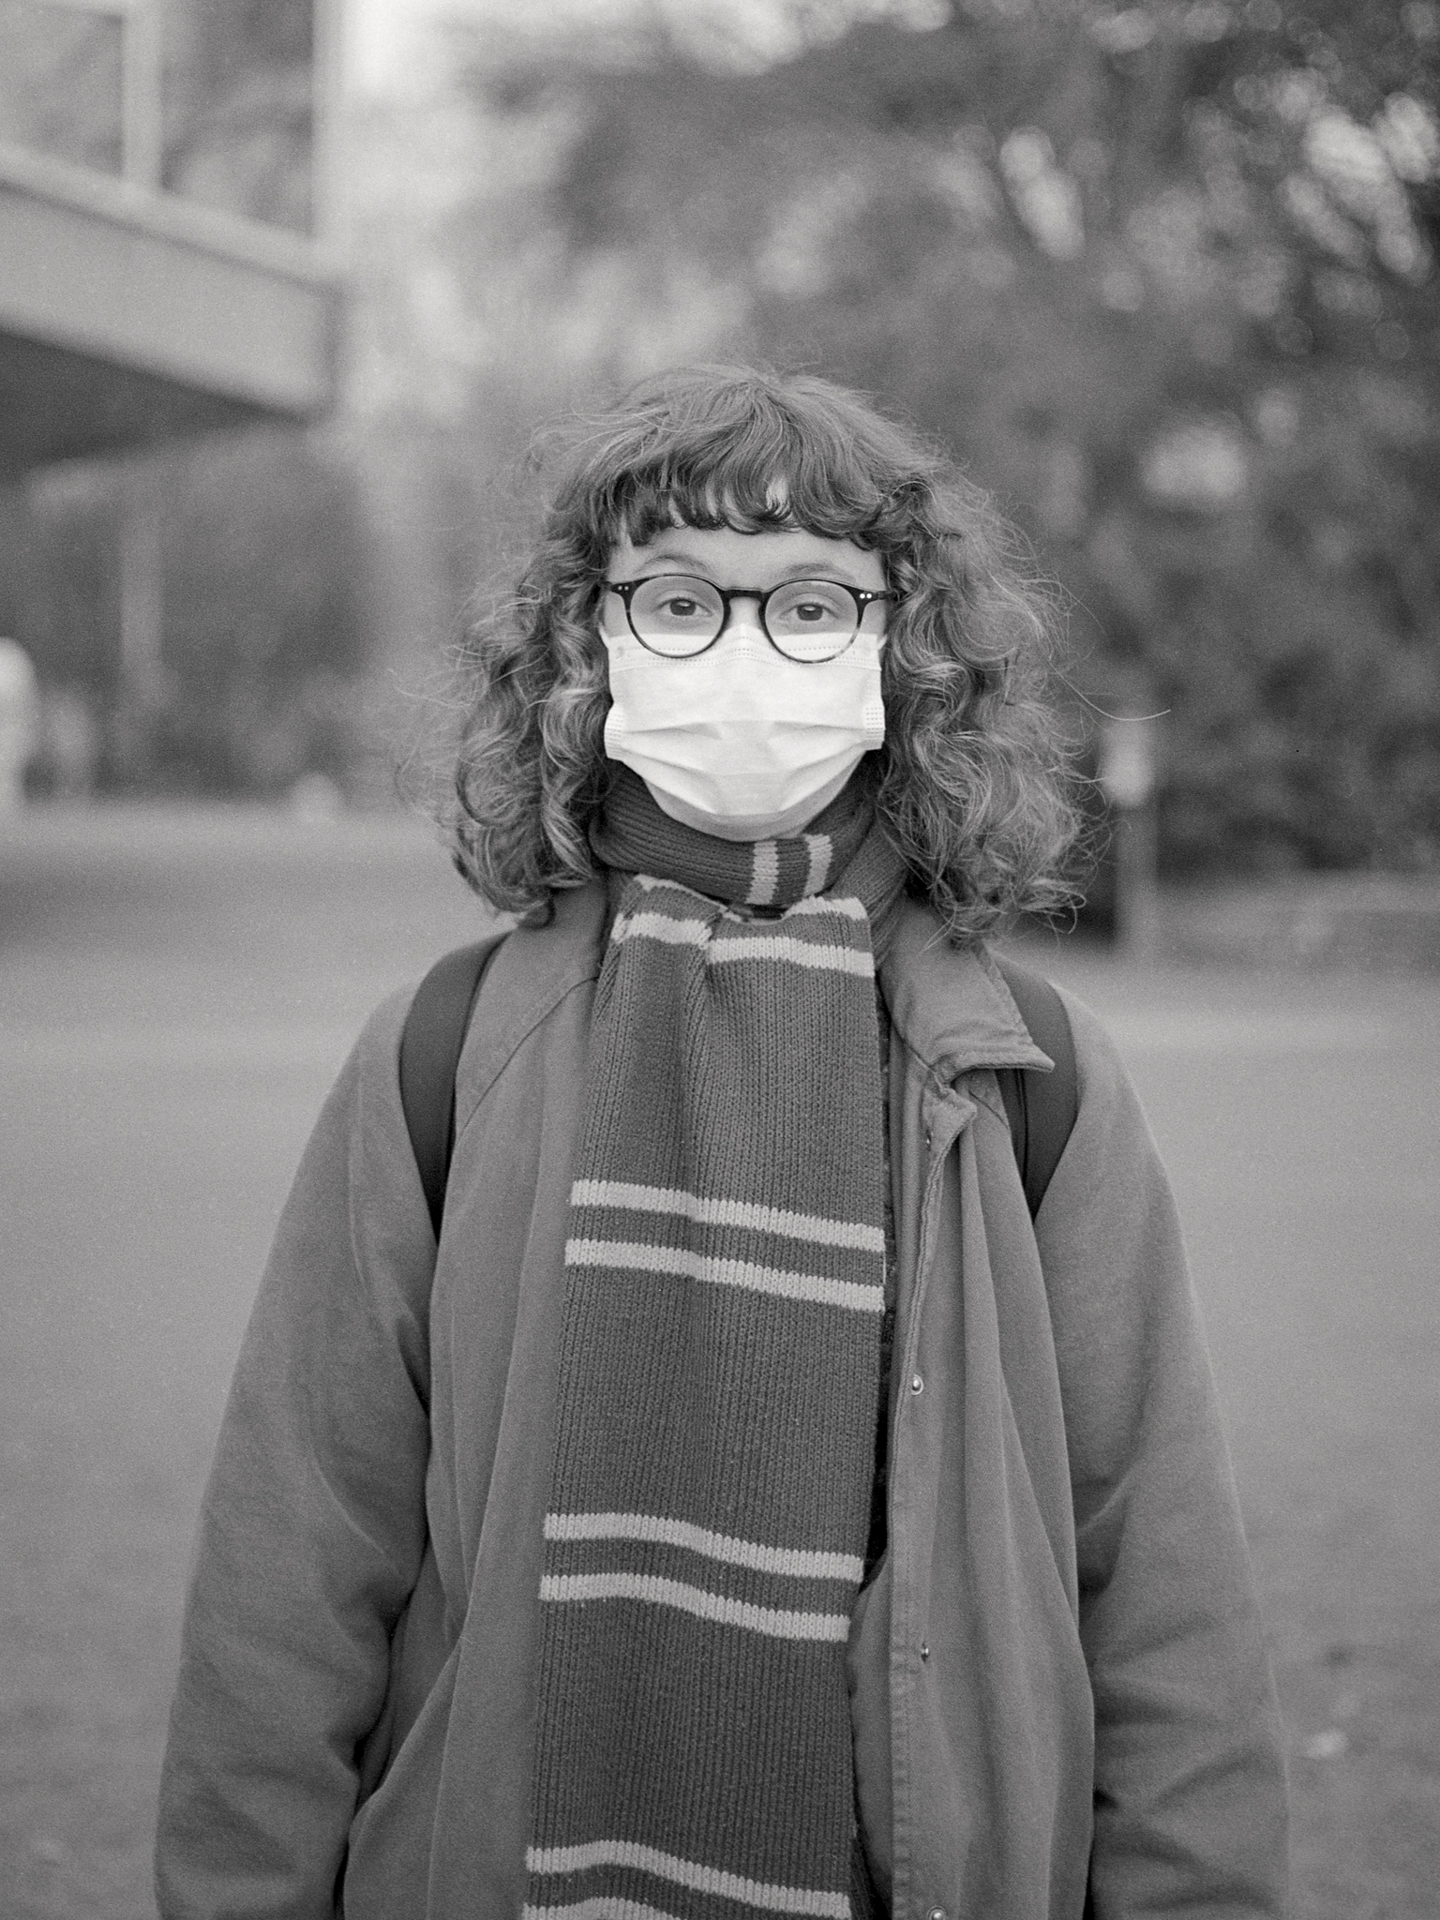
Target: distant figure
{"x":19,"y":716}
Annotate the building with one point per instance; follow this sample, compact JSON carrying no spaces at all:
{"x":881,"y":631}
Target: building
{"x":131,"y":308}
{"x":168,"y":270}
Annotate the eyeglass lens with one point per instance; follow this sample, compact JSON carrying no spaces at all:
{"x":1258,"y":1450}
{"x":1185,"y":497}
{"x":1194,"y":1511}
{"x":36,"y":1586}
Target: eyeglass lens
{"x":679,"y":614}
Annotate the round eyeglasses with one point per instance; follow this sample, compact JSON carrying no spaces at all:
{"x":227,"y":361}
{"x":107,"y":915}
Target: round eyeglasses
{"x":680,"y":614}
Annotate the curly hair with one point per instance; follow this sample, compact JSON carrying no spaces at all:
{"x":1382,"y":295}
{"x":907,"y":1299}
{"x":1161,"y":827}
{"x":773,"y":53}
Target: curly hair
{"x":973,"y":784}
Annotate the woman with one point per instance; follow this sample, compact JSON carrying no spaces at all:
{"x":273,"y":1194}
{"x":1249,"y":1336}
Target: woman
{"x":748,"y":1509}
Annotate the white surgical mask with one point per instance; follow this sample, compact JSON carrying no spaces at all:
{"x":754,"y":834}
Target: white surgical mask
{"x":741,"y":742}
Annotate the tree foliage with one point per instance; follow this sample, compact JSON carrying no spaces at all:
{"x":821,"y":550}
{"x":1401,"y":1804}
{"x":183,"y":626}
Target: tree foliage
{"x":1163,"y":277}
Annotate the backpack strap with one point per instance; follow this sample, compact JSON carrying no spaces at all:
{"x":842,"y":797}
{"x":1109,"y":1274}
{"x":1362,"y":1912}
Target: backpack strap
{"x":430,"y":1045}
{"x":1041,"y":1107}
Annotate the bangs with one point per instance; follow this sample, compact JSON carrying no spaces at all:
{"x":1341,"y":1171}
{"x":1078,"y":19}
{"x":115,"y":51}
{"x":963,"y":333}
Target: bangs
{"x":748,"y":452}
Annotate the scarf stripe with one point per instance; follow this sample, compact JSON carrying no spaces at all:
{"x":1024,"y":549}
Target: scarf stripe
{"x":603,"y":1909}
{"x":659,"y":926}
{"x":717,"y":1546}
{"x":623,"y":1195}
{"x":804,"y":953}
{"x":710,"y":1486}
{"x":734,"y":1249}
{"x":802,"y":944}
{"x":791,"y":1624}
{"x":608,"y":1907}
{"x":683,"y":1262}
{"x":851,"y":909}
{"x":672,"y":1782}
{"x":686,"y":1873}
{"x":830,"y":903}
{"x":762,"y":1599}
{"x":765,"y":875}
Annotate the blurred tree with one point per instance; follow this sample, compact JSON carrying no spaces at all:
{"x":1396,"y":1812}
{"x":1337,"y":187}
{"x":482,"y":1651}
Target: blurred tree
{"x":1163,"y":277}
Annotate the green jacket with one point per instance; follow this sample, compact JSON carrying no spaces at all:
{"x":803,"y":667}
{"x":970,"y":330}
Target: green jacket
{"x":1058,"y":1678}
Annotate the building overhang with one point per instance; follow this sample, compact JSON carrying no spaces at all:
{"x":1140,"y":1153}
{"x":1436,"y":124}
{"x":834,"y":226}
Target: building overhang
{"x":129,"y":316}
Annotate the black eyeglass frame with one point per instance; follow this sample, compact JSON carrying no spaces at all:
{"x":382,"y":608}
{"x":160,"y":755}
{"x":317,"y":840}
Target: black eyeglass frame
{"x":862,"y":596}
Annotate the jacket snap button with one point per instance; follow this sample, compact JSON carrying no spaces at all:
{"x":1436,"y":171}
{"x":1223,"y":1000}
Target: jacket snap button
{"x":936,"y":1913}
{"x":917,"y":1385}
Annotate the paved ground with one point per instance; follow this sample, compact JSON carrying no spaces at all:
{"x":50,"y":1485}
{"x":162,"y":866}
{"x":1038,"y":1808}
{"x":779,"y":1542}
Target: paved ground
{"x":175,"y":994}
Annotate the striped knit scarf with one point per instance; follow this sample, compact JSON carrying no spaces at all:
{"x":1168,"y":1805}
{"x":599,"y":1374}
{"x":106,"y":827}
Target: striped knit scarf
{"x":716,"y":1414}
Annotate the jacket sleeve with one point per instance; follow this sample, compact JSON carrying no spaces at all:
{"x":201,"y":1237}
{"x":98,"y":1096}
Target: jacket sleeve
{"x":1190,"y":1814}
{"x":312,"y":1527}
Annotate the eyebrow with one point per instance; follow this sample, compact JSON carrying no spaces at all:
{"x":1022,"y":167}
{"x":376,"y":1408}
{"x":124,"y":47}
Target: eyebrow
{"x":798,"y":570}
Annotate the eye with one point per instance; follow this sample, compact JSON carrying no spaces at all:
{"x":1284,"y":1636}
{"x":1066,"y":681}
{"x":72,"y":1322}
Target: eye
{"x":676,"y":613}
{"x":676,"y":600}
{"x":809,"y":604}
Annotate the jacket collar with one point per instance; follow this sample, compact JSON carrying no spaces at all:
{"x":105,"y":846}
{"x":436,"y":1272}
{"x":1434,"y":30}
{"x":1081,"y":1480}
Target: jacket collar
{"x":949,"y":1004}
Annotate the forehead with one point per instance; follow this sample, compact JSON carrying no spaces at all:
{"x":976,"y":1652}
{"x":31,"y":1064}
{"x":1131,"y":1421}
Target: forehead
{"x":732,"y":558}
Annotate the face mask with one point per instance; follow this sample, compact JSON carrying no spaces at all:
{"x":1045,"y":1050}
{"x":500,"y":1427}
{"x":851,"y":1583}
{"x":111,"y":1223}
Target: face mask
{"x":741,"y":742}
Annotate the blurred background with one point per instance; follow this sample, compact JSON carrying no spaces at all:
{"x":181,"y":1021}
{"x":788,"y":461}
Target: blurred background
{"x":1162,"y":277}
{"x":285,"y":288}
